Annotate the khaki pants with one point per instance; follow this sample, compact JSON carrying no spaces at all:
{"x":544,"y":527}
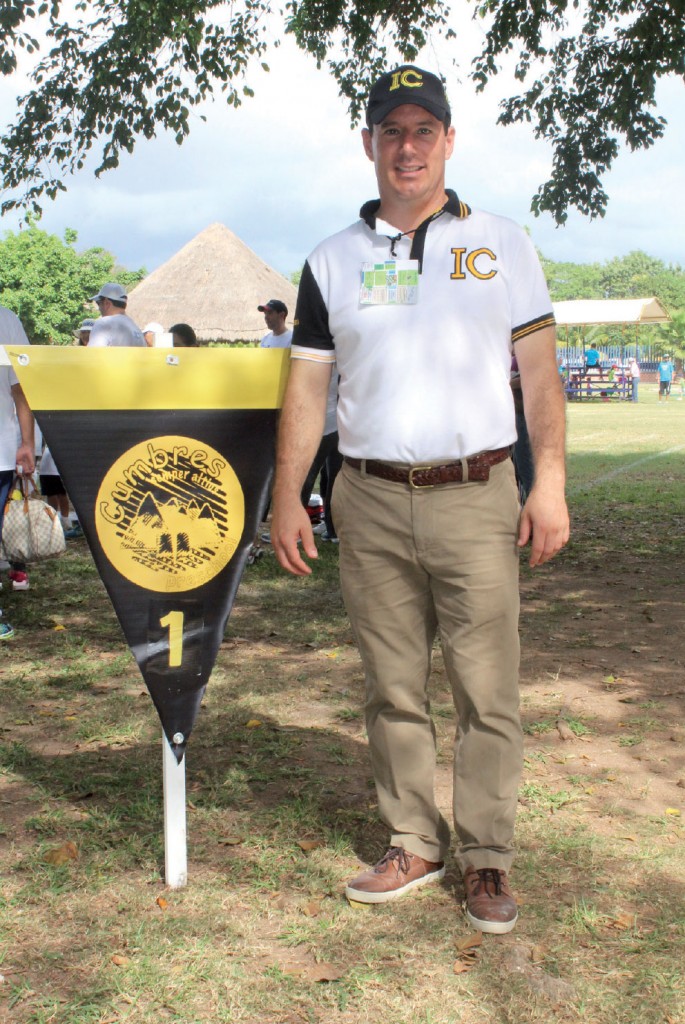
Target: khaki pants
{"x":413,"y":562}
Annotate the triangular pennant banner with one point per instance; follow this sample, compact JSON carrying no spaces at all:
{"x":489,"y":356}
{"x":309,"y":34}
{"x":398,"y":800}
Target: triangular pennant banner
{"x":167,"y":458}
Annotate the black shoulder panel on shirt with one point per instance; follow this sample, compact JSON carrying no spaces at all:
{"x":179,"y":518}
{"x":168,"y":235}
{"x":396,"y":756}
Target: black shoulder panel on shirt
{"x":311,"y":328}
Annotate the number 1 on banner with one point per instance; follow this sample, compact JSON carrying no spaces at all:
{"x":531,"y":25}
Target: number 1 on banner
{"x":174,"y":620}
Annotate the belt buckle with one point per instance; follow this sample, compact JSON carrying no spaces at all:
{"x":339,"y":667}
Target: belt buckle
{"x":418,"y":469}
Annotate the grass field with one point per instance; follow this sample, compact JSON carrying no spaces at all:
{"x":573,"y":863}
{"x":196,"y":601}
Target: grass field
{"x":282,"y":810}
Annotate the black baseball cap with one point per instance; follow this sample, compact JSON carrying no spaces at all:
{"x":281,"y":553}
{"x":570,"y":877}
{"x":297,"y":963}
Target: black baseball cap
{"x":273,"y":306}
{"x":407,"y":84}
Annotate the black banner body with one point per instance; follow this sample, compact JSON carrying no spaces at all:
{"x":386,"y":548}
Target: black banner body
{"x":167,"y":458}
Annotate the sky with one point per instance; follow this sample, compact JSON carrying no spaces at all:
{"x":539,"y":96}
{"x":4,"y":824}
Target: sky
{"x":285,"y":170}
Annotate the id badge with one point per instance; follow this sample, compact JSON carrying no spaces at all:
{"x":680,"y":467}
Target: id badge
{"x":392,"y":283}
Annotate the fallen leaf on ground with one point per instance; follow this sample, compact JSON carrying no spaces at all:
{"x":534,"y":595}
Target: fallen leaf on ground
{"x":673,"y":811}
{"x":120,"y":961}
{"x":309,"y":844}
{"x":622,"y":921}
{"x":323,"y":972}
{"x":61,"y":854}
{"x":462,"y":966}
{"x":231,"y":841}
{"x":161,"y":903}
{"x":253,"y":723}
{"x":469,"y":941}
{"x":312,"y":909}
{"x":313,"y":972}
{"x":467,"y":950}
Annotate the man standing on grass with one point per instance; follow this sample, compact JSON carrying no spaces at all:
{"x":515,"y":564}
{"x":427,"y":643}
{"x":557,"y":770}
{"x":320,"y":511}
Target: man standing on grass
{"x":420,"y":305}
{"x":665,"y":371}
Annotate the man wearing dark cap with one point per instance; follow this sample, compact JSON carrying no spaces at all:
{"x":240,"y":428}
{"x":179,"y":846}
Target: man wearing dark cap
{"x":420,"y":305}
{"x":275,"y":313}
{"x":114,"y":328}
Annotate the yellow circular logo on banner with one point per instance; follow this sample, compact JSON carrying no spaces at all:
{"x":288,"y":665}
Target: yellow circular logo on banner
{"x":170,"y":514}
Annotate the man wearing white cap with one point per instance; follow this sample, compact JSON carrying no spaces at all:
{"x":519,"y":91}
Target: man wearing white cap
{"x":114,"y":328}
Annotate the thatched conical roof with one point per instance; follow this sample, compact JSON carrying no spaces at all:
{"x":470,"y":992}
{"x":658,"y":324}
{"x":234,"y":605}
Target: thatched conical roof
{"x":214,"y":283}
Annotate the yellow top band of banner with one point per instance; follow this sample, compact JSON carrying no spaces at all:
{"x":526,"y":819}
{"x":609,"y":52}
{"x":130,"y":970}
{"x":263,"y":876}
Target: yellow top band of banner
{"x":70,"y":378}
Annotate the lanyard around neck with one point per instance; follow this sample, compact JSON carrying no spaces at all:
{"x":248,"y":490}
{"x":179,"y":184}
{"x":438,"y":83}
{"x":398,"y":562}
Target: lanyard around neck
{"x":394,"y":239}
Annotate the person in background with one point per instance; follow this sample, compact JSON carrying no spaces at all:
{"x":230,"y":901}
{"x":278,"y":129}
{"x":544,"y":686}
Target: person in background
{"x":327,"y":462}
{"x":634,"y":374}
{"x":665,"y":371}
{"x":50,"y":481}
{"x":83,"y":333}
{"x":114,"y":329}
{"x":593,"y":361}
{"x":522,"y":454}
{"x":275,"y":313}
{"x":16,"y":424}
{"x":150,"y":332}
{"x":183,"y":336}
{"x":52,"y":489}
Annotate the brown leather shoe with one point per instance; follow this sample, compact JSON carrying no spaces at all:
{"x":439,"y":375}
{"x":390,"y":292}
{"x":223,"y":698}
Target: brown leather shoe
{"x":490,"y":903}
{"x":396,"y":873}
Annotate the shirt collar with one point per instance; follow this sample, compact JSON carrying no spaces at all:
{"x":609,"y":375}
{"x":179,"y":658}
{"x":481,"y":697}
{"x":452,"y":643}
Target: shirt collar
{"x":453,"y":205}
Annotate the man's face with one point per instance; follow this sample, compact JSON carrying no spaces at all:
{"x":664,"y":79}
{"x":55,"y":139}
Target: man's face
{"x":408,"y":150}
{"x":105,"y":306}
{"x":274,"y":321}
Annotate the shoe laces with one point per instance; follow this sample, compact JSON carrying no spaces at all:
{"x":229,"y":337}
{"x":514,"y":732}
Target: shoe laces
{"x":395,"y":855}
{"x":485,"y":878}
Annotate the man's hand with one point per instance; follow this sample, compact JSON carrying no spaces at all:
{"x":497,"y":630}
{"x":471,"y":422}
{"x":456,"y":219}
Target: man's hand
{"x":545,"y":523}
{"x":26,"y":460}
{"x":290,"y":524}
{"x":299,"y":434}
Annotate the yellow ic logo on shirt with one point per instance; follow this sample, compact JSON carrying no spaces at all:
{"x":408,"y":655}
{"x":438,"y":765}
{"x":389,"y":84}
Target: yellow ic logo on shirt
{"x":467,"y":260}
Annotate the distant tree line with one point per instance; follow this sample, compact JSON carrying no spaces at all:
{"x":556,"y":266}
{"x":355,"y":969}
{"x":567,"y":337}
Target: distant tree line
{"x":635,"y":276}
{"x":47,"y":282}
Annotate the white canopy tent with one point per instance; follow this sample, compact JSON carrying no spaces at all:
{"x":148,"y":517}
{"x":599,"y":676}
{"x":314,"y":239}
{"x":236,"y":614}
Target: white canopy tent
{"x":617,"y":312}
{"x":590,"y":312}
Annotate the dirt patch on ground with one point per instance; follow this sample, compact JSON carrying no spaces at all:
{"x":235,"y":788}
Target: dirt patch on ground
{"x":602,"y":689}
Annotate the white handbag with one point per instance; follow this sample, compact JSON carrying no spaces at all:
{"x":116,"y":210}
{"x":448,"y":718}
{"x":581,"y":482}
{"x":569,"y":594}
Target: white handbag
{"x":31,"y":530}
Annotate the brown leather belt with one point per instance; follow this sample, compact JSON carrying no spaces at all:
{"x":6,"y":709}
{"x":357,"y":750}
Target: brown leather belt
{"x":475,"y":468}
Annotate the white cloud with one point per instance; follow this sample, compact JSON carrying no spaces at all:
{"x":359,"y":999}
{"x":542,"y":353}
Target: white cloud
{"x":285,"y":169}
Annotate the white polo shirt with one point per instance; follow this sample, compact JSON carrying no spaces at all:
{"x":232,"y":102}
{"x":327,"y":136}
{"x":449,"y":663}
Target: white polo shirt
{"x":427,"y":381}
{"x":11,"y":333}
{"x":116,"y":331}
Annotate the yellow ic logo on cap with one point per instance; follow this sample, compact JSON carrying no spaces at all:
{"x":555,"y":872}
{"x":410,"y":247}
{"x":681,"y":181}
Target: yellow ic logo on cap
{"x":410,"y":79}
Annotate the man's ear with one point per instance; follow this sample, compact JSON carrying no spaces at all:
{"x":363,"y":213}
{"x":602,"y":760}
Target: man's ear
{"x":449,"y":142}
{"x":367,"y":140}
